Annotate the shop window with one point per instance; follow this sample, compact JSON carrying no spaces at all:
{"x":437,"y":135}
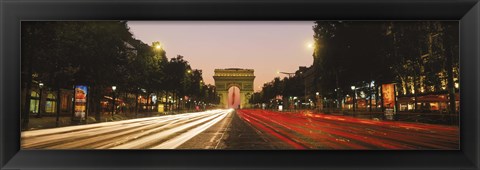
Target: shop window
{"x":51,"y":104}
{"x":64,"y":102}
{"x":434,"y":106}
{"x":34,"y":102}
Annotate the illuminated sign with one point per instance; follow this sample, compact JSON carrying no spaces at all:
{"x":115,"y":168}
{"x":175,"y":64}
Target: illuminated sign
{"x":80,"y":102}
{"x":388,"y":95}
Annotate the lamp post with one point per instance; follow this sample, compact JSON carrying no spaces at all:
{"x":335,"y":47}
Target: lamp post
{"x":113,"y":97}
{"x":337,"y":99}
{"x":354,"y":97}
{"x":370,"y":91}
{"x":40,"y":108}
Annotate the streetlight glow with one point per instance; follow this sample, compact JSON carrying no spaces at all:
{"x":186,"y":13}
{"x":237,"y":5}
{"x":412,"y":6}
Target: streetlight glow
{"x":310,"y":45}
{"x":353,"y":87}
{"x":114,"y":88}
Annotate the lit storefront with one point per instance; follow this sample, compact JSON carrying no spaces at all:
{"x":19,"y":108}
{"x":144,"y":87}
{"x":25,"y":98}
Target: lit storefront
{"x":361,"y":104}
{"x":44,"y":101}
{"x":50,"y":103}
{"x":348,"y":103}
{"x":406,"y":103}
{"x":428,"y":103}
{"x":34,"y":102}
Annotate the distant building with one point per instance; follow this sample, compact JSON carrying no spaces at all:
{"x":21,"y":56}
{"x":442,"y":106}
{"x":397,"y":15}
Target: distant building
{"x":234,"y":77}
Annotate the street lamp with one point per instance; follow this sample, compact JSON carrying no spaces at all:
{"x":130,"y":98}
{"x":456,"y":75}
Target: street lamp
{"x":157,"y":45}
{"x":40,"y":108}
{"x":113,"y":98}
{"x":311,"y":45}
{"x":354,"y":97}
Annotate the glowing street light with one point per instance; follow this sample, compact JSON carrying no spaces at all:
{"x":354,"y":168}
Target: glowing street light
{"x":157,"y":45}
{"x":41,"y":94}
{"x":113,"y":99}
{"x":310,"y":45}
{"x":354,"y":97}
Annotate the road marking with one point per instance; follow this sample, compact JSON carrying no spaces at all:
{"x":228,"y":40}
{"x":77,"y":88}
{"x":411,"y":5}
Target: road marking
{"x":127,"y":134}
{"x":180,"y":139}
{"x":224,"y":131}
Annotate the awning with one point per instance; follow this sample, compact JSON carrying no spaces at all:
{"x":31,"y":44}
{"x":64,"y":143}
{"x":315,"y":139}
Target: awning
{"x":428,"y":98}
{"x":405,"y":100}
{"x":432,"y":98}
{"x":110,"y":98}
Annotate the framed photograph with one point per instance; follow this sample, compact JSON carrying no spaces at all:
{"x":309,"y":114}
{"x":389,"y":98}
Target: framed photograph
{"x":239,"y":84}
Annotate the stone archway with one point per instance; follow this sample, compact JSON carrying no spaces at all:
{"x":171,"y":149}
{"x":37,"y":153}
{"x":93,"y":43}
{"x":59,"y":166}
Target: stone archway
{"x":234,"y":77}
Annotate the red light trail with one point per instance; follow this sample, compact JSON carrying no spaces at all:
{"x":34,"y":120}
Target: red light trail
{"x":321,"y":131}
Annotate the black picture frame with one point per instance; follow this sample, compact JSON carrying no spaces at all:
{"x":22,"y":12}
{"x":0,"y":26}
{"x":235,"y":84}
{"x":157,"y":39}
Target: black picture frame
{"x":14,"y":11}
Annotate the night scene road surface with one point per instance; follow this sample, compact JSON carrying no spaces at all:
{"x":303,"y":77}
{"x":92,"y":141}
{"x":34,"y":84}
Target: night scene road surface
{"x":163,"y":132}
{"x":246,"y":129}
{"x":322,"y":131}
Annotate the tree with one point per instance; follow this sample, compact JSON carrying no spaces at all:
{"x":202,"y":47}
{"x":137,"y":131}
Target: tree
{"x":70,"y":53}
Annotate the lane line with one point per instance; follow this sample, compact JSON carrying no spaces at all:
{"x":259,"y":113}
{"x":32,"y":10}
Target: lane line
{"x":180,"y":139}
{"x":96,"y":134}
{"x":158,"y":137}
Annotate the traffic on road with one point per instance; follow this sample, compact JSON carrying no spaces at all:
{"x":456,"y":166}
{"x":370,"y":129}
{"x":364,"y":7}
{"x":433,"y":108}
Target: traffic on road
{"x":246,"y":129}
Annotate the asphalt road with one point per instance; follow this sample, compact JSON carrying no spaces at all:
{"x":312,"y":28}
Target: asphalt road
{"x":163,"y":132}
{"x":321,"y":131}
{"x":246,"y":129}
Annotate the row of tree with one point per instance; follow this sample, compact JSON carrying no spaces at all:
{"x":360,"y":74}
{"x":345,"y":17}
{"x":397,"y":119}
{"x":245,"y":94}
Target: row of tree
{"x":421,"y":57}
{"x":101,"y":55}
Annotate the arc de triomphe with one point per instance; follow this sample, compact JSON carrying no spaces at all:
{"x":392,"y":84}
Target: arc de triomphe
{"x":241,"y":78}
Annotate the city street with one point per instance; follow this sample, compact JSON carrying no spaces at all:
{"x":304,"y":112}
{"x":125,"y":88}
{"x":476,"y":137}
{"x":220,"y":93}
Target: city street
{"x":339,"y":85}
{"x":246,"y":129}
{"x":164,"y":132}
{"x":321,"y":131}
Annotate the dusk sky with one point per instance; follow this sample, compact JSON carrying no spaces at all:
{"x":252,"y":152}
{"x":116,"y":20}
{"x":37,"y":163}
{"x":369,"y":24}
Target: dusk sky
{"x":265,"y":46}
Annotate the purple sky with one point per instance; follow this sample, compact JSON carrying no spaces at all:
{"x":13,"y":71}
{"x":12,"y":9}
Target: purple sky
{"x":265,"y":46}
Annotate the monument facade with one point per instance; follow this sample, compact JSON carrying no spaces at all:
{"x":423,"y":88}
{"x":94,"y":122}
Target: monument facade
{"x":239,"y":78}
